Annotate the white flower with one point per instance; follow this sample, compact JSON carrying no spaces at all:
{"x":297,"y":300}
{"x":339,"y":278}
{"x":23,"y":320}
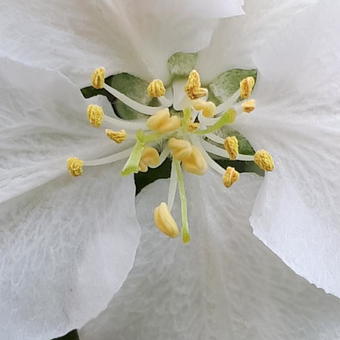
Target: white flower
{"x":68,"y":243}
{"x":124,"y":35}
{"x":202,"y":290}
{"x":226,"y":284}
{"x":66,"y":246}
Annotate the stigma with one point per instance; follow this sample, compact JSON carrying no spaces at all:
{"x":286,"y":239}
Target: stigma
{"x":191,"y":138}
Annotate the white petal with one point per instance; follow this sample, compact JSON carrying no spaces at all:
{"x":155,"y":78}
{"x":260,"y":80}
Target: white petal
{"x":225,"y":284}
{"x":298,"y":120}
{"x":121,"y":35}
{"x":65,"y":249}
{"x":236,"y":40}
{"x":43,"y":122}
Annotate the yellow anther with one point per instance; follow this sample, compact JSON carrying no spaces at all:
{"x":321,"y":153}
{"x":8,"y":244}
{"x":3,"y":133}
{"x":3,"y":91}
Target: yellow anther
{"x":156,"y":88}
{"x":195,"y":163}
{"x":198,"y":93}
{"x":249,"y":106}
{"x":264,"y":160}
{"x":246,"y":87}
{"x":193,"y":126}
{"x":164,"y":220}
{"x":150,"y":156}
{"x":116,"y":136}
{"x":193,"y":87}
{"x":231,"y":146}
{"x":75,"y":166}
{"x":95,"y":115}
{"x":162,"y":122}
{"x":98,"y":77}
{"x":208,"y":108}
{"x":198,"y":104}
{"x":230,"y":176}
{"x":180,"y":148}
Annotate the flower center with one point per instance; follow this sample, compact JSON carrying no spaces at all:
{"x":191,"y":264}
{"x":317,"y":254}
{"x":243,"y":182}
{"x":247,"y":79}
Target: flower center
{"x":190,"y":137}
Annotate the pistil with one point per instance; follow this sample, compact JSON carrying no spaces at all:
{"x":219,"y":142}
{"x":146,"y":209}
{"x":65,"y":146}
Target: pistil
{"x":184,"y":209}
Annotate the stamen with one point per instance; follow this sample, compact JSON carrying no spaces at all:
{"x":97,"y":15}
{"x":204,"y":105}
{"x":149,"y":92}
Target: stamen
{"x":184,"y":210}
{"x":116,"y":136}
{"x":156,"y":88}
{"x":162,"y":157}
{"x":231,"y":146}
{"x":147,"y":110}
{"x":195,"y":163}
{"x":215,"y":138}
{"x":226,"y":118}
{"x":150,"y":156}
{"x":162,"y":122}
{"x":109,"y":159}
{"x":180,"y":148}
{"x":98,"y":78}
{"x":246,"y":87}
{"x":193,"y":126}
{"x":221,"y":152}
{"x":75,"y":166}
{"x":121,"y":123}
{"x":215,"y":166}
{"x":208,"y":108}
{"x":95,"y":115}
{"x":193,"y":87}
{"x":230,"y":176}
{"x":164,"y":220}
{"x":249,"y":105}
{"x":228,"y":103}
{"x":264,"y":160}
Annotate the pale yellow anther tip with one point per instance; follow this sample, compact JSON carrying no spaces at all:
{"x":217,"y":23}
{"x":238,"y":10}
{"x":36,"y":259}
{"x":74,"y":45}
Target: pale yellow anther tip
{"x":164,"y":220}
{"x":264,"y":160}
{"x":193,"y":126}
{"x":208,"y":108}
{"x":180,"y":148}
{"x":150,"y":157}
{"x":95,"y":115}
{"x":116,"y":136}
{"x":75,"y":166}
{"x":193,"y":87}
{"x":249,"y":105}
{"x":230,"y":177}
{"x":246,"y":87}
{"x":162,"y":122}
{"x":231,"y":146}
{"x":195,"y":163}
{"x":156,"y":88}
{"x":98,"y":78}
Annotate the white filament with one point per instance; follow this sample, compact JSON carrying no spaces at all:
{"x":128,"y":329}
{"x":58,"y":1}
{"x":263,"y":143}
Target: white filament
{"x":228,"y":103}
{"x":223,"y":153}
{"x":148,"y":110}
{"x":109,"y":159}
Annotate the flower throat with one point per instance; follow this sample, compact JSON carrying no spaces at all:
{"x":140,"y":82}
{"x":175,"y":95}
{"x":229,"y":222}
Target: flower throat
{"x":185,"y":127}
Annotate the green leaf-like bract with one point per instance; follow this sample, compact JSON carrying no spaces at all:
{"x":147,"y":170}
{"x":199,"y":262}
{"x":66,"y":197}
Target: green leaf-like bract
{"x":181,"y":64}
{"x":128,"y":84}
{"x":228,"y":83}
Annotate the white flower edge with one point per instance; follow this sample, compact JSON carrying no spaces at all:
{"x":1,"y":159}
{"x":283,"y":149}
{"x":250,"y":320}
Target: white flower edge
{"x":114,"y":34}
{"x":67,"y":244}
{"x":298,"y":120}
{"x":224,"y":284}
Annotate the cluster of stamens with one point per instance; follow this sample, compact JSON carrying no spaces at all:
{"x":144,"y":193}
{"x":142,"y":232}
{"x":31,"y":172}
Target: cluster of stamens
{"x":189,"y":138}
